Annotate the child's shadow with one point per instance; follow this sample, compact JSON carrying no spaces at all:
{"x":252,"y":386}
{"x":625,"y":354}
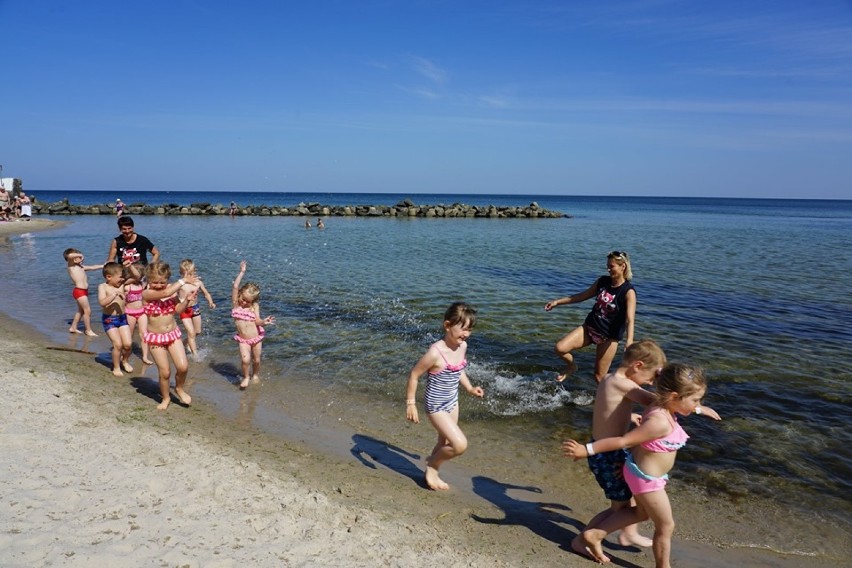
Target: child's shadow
{"x":228,"y":371}
{"x":392,"y":457}
{"x":151,"y":389}
{"x":540,"y":518}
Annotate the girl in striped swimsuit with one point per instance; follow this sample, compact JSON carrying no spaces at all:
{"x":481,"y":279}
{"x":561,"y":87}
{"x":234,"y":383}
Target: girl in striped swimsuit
{"x":445,"y":363}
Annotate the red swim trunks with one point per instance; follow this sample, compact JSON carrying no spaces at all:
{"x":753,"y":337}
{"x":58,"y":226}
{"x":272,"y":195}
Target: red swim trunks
{"x":80,"y":292}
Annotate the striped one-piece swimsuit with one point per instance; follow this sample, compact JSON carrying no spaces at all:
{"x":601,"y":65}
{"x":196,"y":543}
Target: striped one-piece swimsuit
{"x":442,"y":388}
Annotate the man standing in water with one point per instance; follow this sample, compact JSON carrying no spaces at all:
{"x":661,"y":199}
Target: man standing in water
{"x":131,"y":246}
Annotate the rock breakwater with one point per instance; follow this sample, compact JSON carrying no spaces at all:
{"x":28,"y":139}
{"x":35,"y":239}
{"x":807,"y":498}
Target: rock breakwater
{"x":404,"y":208}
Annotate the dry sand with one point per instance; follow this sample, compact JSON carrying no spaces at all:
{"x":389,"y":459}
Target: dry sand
{"x":94,"y":475}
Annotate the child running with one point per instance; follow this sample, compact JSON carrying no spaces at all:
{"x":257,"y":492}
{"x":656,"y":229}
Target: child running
{"x":445,"y":363}
{"x":654,"y":449}
{"x":133,"y":288}
{"x":191,"y":316}
{"x":161,"y":301}
{"x":77,"y":271}
{"x":111,"y":297}
{"x":250,"y":332}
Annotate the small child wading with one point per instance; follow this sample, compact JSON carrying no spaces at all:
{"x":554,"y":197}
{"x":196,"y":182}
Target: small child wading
{"x":191,"y":316}
{"x":77,"y":271}
{"x":654,"y":444}
{"x":250,"y":332}
{"x":445,"y":363}
{"x":111,"y":297}
{"x":161,"y":302}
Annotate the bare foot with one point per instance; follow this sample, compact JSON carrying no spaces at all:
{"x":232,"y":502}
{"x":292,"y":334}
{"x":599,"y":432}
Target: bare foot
{"x":634,"y":538}
{"x":127,"y":366}
{"x":147,"y":361}
{"x":117,"y":372}
{"x":569,"y":370}
{"x":244,"y":384}
{"x":91,"y":333}
{"x":165,"y":404}
{"x":255,"y":379}
{"x":184,"y":398}
{"x":590,"y":550}
{"x":74,"y":330}
{"x":434,"y":481}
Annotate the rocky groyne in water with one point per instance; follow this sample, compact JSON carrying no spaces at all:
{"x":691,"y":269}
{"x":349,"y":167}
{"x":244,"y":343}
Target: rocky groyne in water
{"x":405,"y":208}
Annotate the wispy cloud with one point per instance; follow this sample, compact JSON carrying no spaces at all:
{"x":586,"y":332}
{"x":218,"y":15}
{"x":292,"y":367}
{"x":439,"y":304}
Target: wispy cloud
{"x":428,"y":69}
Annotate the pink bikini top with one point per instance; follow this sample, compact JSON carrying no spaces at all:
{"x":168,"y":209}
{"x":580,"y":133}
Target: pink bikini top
{"x":672,"y":442}
{"x":448,"y":366}
{"x":161,"y":307}
{"x":245,"y":314}
{"x":133,"y":294}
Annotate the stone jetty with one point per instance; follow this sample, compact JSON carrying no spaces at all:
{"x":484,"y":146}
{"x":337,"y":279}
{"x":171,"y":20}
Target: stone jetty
{"x":405,"y":208}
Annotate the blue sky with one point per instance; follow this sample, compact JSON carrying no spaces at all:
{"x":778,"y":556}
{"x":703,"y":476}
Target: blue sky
{"x":638,"y":97}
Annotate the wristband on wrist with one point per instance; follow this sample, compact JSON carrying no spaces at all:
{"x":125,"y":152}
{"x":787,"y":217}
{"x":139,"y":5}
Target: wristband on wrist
{"x":181,"y":281}
{"x":698,"y":410}
{"x":410,"y":401}
{"x":589,"y":449}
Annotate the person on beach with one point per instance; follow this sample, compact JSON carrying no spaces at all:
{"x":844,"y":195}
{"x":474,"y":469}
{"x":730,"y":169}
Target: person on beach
{"x":612,"y":316}
{"x":133,"y":307}
{"x":654,"y":443}
{"x":614,"y":401}
{"x":5,"y":203}
{"x":111,"y":297}
{"x":119,"y":207}
{"x":161,"y":302}
{"x":130,"y":246}
{"x":26,"y":206}
{"x":444,"y":362}
{"x":249,"y":323}
{"x":191,"y":317}
{"x":77,"y":271}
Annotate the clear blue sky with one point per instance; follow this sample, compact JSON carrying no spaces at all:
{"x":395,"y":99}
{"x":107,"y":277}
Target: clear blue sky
{"x":625,"y":97}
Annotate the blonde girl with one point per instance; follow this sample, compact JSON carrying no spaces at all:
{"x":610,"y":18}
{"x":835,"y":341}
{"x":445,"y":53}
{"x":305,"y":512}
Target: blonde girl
{"x":612,"y":317}
{"x":679,"y":390}
{"x":191,"y":316}
{"x":161,"y":302}
{"x":134,"y":287}
{"x":250,"y":332}
{"x":444,"y":362}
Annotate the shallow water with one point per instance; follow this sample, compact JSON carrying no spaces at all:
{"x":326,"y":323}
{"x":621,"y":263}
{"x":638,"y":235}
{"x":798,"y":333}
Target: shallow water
{"x":753,"y":290}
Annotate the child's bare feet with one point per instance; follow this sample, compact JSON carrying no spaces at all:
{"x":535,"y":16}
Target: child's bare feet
{"x":589,"y":549}
{"x":147,"y":361}
{"x":433,"y":480}
{"x":633,"y":538}
{"x":255,"y":379}
{"x":244,"y":384}
{"x":569,"y":370}
{"x":184,"y":398}
{"x":117,"y":372}
{"x":165,"y":404}
{"x":127,"y":366}
{"x":91,"y":333}
{"x":74,"y":330}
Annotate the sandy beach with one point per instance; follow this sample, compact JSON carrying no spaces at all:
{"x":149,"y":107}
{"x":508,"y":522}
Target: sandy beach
{"x":94,"y":475}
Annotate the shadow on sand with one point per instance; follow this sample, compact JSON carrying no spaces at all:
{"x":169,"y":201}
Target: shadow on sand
{"x":392,"y":457}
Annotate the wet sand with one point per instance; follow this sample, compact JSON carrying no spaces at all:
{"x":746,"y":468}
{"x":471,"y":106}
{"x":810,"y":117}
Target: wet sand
{"x":94,"y":475}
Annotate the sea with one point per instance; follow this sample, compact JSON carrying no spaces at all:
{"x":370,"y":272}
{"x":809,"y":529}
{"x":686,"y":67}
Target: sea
{"x":755,"y":291}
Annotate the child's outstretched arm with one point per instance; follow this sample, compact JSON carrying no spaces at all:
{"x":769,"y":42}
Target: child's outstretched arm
{"x":235,"y":289}
{"x":207,"y":295}
{"x":428,"y":361}
{"x":708,"y":412}
{"x":655,"y":426}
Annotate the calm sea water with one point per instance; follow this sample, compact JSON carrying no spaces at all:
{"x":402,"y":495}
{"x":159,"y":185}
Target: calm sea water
{"x":755,"y":291}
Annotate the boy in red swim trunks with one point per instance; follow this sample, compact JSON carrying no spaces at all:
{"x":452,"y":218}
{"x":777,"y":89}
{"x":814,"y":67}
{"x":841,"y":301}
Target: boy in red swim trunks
{"x":77,"y":271}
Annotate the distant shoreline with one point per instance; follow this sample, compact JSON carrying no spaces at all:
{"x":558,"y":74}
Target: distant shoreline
{"x":404,"y":208}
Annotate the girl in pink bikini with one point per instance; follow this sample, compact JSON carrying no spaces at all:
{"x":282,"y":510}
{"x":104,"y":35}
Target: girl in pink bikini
{"x":654,"y":444}
{"x":250,"y":332}
{"x":134,"y":287}
{"x":161,"y":302}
